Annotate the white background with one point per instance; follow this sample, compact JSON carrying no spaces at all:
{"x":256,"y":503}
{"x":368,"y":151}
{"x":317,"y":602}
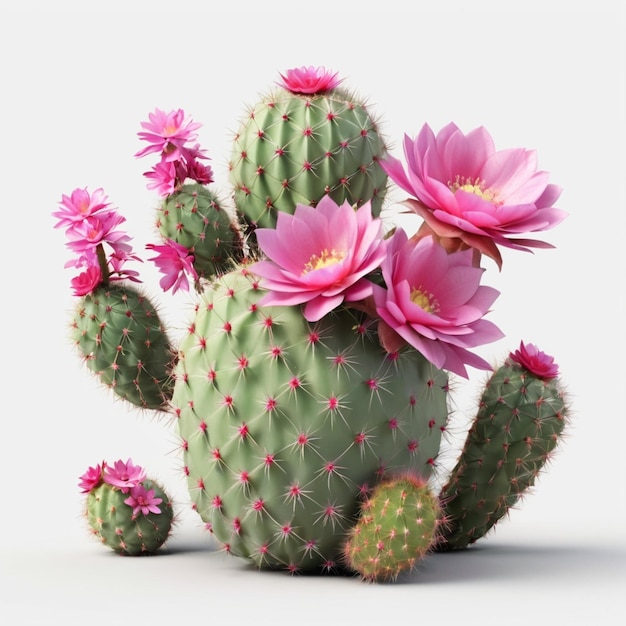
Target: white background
{"x":75,"y":86}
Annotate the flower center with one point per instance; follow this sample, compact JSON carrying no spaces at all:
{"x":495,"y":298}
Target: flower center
{"x":475,"y":186}
{"x":425,"y":300}
{"x":326,"y":258}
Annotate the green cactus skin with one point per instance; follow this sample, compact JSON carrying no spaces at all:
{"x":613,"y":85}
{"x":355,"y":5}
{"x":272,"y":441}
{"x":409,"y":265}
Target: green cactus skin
{"x":296,"y":148}
{"x":194,"y":216}
{"x":114,"y":525}
{"x":284,"y":423}
{"x":119,"y":335}
{"x":520,"y":421}
{"x":398,"y":525}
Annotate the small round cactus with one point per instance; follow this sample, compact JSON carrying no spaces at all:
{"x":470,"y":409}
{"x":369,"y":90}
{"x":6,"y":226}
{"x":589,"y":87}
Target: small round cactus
{"x":127,"y":512}
{"x":397,"y":527}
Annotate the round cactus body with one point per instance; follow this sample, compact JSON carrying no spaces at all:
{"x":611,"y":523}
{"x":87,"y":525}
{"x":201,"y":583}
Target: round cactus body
{"x":295,"y":148}
{"x":396,"y":529}
{"x":519,"y":423}
{"x":119,"y":334}
{"x":114,"y":522}
{"x":194,"y":217}
{"x":286,"y":424}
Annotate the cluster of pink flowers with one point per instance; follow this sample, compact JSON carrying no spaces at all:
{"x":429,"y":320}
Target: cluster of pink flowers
{"x":128,"y":478}
{"x":472,"y":199}
{"x":172,"y":135}
{"x":90,"y":225}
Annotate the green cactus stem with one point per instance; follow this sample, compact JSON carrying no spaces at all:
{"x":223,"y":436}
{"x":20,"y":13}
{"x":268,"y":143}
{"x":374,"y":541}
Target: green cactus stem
{"x":519,"y":423}
{"x":120,"y":337}
{"x":195,"y":217}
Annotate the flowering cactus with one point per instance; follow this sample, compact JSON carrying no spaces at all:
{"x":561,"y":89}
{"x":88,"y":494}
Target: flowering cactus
{"x":312,"y":384}
{"x":126,"y":511}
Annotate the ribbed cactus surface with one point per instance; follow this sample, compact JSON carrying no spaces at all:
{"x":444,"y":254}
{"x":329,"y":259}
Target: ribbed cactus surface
{"x":285,"y":424}
{"x":195,"y":217}
{"x":296,"y":148}
{"x":112,"y":520}
{"x":118,"y":332}
{"x":520,"y":421}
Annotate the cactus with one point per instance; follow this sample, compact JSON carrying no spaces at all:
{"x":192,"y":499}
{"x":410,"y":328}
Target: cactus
{"x":521,"y":419}
{"x":284,"y":423}
{"x":314,"y":371}
{"x":194,"y":217}
{"x":302,"y":141}
{"x":127,"y":512}
{"x":121,"y":338}
{"x":397,"y":527}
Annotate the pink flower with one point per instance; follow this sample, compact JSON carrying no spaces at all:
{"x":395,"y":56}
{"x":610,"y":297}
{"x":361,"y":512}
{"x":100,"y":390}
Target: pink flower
{"x":309,"y":80}
{"x":468,"y":190}
{"x":124,"y":475}
{"x":87,"y":281}
{"x":163,"y":177}
{"x":175,"y":262}
{"x":98,"y":229}
{"x":538,"y":363}
{"x":434,"y":302}
{"x":92,"y":478}
{"x":319,"y":256}
{"x":117,"y":261}
{"x":167,"y":133}
{"x":142,"y":500}
{"x":79,"y":205}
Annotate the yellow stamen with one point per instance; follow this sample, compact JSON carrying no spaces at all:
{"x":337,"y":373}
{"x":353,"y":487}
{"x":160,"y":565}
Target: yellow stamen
{"x":475,"y":186}
{"x":326,"y":258}
{"x":424,"y":300}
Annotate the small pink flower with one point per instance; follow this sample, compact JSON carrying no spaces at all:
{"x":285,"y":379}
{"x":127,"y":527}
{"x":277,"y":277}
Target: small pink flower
{"x":167,"y":133}
{"x":142,"y":501}
{"x":163,"y":177}
{"x":124,"y":475}
{"x":535,"y":361}
{"x":86,"y":281}
{"x":92,"y":478}
{"x":175,"y":262}
{"x":117,"y":261}
{"x":97,"y":229}
{"x":466,"y":189}
{"x":309,"y":80}
{"x":79,"y":205}
{"x":434,"y":302}
{"x":319,"y":256}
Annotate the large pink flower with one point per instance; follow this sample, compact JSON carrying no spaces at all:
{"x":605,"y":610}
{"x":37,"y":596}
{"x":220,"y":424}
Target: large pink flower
{"x":97,"y":229}
{"x":535,"y":361}
{"x":142,"y":500}
{"x":124,"y":475}
{"x":175,"y":262}
{"x":466,"y":189}
{"x":309,"y":80}
{"x":434,"y":302}
{"x":167,"y":133}
{"x":319,"y":256}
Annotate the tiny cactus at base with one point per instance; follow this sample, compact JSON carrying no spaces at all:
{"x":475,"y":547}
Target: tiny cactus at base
{"x":127,"y":512}
{"x":520,"y":421}
{"x":397,"y":527}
